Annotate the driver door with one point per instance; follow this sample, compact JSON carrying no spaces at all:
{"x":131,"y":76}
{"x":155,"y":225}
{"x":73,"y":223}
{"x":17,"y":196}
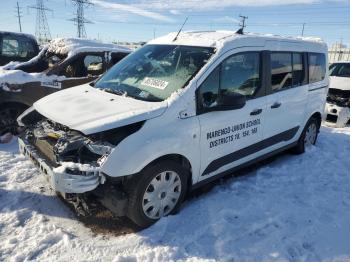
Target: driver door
{"x":231,"y":137}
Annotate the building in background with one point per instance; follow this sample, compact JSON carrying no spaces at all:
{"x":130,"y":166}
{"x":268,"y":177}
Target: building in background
{"x":338,"y":52}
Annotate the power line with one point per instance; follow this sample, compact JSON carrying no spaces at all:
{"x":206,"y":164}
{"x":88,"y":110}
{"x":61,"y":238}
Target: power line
{"x":19,"y":15}
{"x":42,"y":30}
{"x":80,"y":20}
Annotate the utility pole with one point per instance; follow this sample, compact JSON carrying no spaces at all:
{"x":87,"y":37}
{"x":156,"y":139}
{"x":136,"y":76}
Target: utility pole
{"x":302,"y":31}
{"x":242,"y":24}
{"x":42,"y":30}
{"x":19,"y":15}
{"x":80,"y":20}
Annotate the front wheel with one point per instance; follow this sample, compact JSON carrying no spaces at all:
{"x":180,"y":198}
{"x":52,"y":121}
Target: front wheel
{"x":308,"y":136}
{"x":158,"y":191}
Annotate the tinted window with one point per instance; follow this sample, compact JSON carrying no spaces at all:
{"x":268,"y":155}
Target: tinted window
{"x":340,"y":70}
{"x":317,"y":67}
{"x":93,"y":64}
{"x":281,"y":71}
{"x":298,"y":69}
{"x":13,"y":46}
{"x":239,"y":73}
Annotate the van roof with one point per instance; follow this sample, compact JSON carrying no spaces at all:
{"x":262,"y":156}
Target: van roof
{"x":220,"y":38}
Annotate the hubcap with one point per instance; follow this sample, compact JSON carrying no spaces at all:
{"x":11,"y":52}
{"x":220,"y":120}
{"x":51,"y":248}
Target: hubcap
{"x":310,"y":135}
{"x":161,"y":195}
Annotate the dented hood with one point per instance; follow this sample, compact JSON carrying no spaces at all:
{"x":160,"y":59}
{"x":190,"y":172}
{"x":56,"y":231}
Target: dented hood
{"x":342,"y":83}
{"x":89,"y":110}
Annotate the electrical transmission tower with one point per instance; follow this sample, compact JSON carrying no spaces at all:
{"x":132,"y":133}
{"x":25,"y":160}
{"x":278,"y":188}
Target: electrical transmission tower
{"x":42,"y":30}
{"x":19,"y":16}
{"x":80,"y":20}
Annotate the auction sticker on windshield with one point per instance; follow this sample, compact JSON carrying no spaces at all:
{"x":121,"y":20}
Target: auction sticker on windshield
{"x":156,"y":83}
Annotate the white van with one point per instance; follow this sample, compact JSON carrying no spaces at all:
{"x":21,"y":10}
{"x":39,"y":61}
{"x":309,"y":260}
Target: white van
{"x":176,"y":114}
{"x":338,"y":99}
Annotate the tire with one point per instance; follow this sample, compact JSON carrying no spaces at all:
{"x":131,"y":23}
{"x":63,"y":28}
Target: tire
{"x":8,"y":118}
{"x":146,"y":196}
{"x":308,"y":137}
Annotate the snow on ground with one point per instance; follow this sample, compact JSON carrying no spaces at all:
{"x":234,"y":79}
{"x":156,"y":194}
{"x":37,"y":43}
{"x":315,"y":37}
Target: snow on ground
{"x":295,"y":208}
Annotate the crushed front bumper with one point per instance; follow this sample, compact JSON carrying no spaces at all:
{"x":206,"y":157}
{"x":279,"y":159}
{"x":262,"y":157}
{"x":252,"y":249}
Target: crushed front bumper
{"x":336,"y":116}
{"x":62,"y":182}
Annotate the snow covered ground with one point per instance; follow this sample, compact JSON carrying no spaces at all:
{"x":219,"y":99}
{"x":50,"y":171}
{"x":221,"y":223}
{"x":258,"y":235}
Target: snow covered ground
{"x":295,"y":208}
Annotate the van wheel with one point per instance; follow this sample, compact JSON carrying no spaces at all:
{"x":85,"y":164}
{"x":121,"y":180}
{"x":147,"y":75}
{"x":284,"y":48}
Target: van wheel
{"x":308,"y":136}
{"x":156,"y":192}
{"x":8,"y":119}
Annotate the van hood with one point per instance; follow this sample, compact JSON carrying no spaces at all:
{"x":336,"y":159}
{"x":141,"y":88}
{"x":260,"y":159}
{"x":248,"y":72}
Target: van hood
{"x":89,"y":110}
{"x":342,"y":83}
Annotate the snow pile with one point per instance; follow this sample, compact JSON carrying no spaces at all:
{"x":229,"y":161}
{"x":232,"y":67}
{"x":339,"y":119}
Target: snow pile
{"x":20,"y":77}
{"x":296,"y":208}
{"x":71,"y":46}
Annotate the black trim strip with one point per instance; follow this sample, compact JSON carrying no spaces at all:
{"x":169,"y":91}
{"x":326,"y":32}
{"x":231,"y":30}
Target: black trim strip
{"x":253,"y":161}
{"x":222,"y":161}
{"x":318,"y":88}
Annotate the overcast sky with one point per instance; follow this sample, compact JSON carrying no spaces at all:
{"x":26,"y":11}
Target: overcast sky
{"x":123,"y":20}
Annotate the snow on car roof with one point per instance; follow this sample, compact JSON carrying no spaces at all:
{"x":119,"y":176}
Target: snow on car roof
{"x":219,"y":38}
{"x":19,"y":34}
{"x":71,"y":46}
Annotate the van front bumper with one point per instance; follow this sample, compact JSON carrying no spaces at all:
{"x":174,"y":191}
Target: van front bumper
{"x":61,"y":181}
{"x":336,"y":116}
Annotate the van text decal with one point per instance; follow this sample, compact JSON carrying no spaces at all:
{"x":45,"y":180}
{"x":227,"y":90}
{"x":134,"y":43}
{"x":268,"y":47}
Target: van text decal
{"x":230,"y":133}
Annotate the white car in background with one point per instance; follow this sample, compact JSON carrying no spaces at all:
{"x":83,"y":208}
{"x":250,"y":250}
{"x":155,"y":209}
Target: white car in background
{"x":338,"y":99}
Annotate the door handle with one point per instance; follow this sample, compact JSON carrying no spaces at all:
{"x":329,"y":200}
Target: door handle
{"x":276,"y":105}
{"x":256,"y":112}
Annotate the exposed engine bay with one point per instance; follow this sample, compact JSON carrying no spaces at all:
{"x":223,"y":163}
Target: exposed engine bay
{"x":339,"y":97}
{"x":71,"y":161}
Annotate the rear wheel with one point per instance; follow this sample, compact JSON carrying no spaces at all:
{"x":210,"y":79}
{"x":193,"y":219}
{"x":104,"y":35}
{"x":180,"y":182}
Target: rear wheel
{"x":308,"y":137}
{"x":8,"y":118}
{"x":158,"y":191}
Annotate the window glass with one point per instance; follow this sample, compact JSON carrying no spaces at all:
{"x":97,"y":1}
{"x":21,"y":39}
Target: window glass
{"x":281,"y":71}
{"x":209,"y":90}
{"x":10,"y":47}
{"x":317,"y":67}
{"x":239,"y":73}
{"x":340,"y":70}
{"x":93,"y":64}
{"x":298,"y":69}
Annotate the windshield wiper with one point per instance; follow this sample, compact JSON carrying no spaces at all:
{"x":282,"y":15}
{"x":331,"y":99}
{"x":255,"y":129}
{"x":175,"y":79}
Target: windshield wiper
{"x":115,"y":92}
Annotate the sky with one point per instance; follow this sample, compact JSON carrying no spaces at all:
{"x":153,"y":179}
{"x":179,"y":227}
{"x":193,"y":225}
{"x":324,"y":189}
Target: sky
{"x":141,"y":20}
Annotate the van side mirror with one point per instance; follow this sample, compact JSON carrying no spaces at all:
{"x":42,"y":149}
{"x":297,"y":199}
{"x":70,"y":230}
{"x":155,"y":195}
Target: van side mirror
{"x":231,"y":101}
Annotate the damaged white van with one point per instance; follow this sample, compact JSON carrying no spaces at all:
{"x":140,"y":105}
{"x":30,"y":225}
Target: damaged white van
{"x":338,"y":99}
{"x":175,"y":114}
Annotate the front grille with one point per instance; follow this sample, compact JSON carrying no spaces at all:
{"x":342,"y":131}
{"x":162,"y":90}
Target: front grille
{"x":339,"y":97}
{"x":332,"y":118}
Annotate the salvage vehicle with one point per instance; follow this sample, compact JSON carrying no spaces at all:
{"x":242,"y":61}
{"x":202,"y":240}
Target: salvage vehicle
{"x":177,"y":113}
{"x":64,"y":63}
{"x":17,"y":47}
{"x":338,"y":99}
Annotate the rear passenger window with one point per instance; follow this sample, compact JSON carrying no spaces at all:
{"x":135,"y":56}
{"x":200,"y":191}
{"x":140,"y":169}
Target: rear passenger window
{"x":298,"y":69}
{"x":317,"y":67}
{"x":281,"y":71}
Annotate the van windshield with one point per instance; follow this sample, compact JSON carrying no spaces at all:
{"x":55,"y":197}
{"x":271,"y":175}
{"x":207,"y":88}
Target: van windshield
{"x":340,"y":70}
{"x":154,"y":72}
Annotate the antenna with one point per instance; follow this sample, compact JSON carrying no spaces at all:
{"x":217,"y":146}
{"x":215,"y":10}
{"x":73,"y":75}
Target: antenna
{"x":19,"y":15}
{"x":180,"y":30}
{"x":42,"y":30}
{"x":302,"y":31}
{"x":242,"y":24}
{"x":80,"y":20}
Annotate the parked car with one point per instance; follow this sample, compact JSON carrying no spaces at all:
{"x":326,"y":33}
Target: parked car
{"x":17,"y":47}
{"x":338,"y":99}
{"x":176,"y":114}
{"x":64,"y":63}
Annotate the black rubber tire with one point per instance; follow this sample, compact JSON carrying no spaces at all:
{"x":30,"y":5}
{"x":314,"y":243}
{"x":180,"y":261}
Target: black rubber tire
{"x":137,"y":185}
{"x":300,"y":147}
{"x":8,"y":118}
